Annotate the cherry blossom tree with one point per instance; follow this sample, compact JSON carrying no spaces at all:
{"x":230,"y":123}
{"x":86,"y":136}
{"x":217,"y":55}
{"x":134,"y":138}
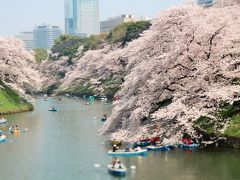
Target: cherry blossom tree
{"x":17,"y":66}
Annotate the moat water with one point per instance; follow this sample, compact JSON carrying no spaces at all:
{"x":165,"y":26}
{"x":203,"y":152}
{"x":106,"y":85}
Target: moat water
{"x":66,"y":144}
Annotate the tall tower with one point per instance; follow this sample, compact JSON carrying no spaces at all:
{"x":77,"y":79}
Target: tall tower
{"x":70,"y":25}
{"x":82,"y":17}
{"x":205,"y":3}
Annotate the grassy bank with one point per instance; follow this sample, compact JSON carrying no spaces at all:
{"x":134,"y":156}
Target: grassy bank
{"x":11,"y":102}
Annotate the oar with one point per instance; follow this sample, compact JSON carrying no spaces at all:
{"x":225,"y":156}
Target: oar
{"x":24,"y":129}
{"x":99,"y":165}
{"x":132,"y":167}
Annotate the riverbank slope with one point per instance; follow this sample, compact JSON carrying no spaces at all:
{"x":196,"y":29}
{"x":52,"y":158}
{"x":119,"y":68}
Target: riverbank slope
{"x":17,"y":76}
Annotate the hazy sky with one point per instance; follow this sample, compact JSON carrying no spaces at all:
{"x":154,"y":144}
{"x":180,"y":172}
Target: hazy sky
{"x":23,"y":15}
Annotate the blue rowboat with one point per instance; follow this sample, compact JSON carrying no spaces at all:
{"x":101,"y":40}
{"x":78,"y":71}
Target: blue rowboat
{"x":2,"y":138}
{"x":104,"y":119}
{"x":158,"y":148}
{"x":141,"y":144}
{"x":188,"y":146}
{"x":3,"y":121}
{"x":116,"y":171}
{"x":52,"y":110}
{"x":142,"y":152}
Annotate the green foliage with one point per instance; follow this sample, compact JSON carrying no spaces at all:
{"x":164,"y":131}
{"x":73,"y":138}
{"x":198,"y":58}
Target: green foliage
{"x":61,"y":74}
{"x":68,"y":45}
{"x":40,"y":55}
{"x":51,"y":88}
{"x":206,"y":124}
{"x":110,"y":91}
{"x":81,"y":90}
{"x":232,"y":112}
{"x":233,"y":129}
{"x":11,"y":102}
{"x":127,"y":32}
{"x":235,"y":81}
{"x":229,"y":111}
{"x":134,"y":30}
{"x":66,"y":38}
{"x":94,"y":42}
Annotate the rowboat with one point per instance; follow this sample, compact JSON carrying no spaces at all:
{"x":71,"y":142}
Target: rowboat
{"x":158,"y":148}
{"x":141,"y":144}
{"x":3,"y":121}
{"x":52,"y":109}
{"x":104,"y":119}
{"x":142,"y":152}
{"x":116,"y":171}
{"x":2,"y":138}
{"x":188,"y":146}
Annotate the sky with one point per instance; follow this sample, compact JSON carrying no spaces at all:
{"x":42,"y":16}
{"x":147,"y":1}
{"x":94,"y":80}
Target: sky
{"x":23,"y":15}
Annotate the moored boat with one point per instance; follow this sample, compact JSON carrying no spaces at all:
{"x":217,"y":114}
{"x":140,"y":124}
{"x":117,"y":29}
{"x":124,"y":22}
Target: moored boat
{"x":142,"y":152}
{"x":117,"y":171}
{"x":158,"y":148}
{"x":3,"y":121}
{"x":52,"y":109}
{"x":2,"y":138}
{"x":141,"y":144}
{"x":188,"y":146}
{"x":104,"y":119}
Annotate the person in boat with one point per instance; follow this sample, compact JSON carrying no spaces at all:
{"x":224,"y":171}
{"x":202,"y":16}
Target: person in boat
{"x":115,"y":148}
{"x":114,"y":161}
{"x":186,"y":138}
{"x":119,"y":164}
{"x":14,"y":127}
{"x":138,"y":149}
{"x":105,"y":116}
{"x":127,"y":148}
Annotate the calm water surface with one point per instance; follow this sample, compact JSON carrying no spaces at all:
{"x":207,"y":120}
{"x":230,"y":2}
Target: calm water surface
{"x":65,"y":146}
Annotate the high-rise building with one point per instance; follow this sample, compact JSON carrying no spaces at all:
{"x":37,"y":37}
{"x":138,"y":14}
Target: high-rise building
{"x":70,"y":25}
{"x":82,"y":17}
{"x":109,"y":24}
{"x":27,"y":38}
{"x":205,"y":3}
{"x":45,"y":35}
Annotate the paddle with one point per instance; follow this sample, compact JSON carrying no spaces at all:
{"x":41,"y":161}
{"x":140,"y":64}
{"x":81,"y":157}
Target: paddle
{"x":23,"y":129}
{"x":99,"y":165}
{"x":132,"y":167}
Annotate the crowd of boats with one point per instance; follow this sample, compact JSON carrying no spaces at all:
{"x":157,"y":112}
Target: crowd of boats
{"x":121,"y":149}
{"x":141,"y":148}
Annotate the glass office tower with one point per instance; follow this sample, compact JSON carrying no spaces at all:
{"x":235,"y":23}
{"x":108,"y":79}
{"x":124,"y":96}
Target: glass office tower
{"x":82,"y":17}
{"x":70,"y":16}
{"x":45,"y":35}
{"x":205,"y":3}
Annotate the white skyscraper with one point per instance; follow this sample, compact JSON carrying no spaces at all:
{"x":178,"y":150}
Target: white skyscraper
{"x":82,"y":17}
